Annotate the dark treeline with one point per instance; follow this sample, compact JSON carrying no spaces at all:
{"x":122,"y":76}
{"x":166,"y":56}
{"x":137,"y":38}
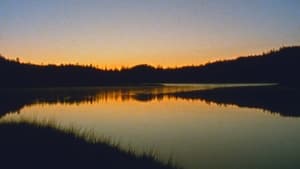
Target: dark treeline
{"x":277,"y":66}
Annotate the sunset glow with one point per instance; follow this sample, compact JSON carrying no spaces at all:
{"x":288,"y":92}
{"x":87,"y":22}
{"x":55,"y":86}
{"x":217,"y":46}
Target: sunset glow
{"x":115,"y":33}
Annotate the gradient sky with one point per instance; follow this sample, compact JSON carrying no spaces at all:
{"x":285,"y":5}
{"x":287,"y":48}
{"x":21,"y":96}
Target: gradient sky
{"x":158,"y":32}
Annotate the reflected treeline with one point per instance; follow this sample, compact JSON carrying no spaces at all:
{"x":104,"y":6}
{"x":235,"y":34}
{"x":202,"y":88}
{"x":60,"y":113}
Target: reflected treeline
{"x":278,"y":66}
{"x":275,"y":99}
{"x":281,"y":100}
{"x":12,"y":100}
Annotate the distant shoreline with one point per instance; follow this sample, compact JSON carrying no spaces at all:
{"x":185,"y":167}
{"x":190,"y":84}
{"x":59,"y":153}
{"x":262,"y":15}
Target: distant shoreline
{"x":276,"y":66}
{"x":276,"y":99}
{"x":150,"y":85}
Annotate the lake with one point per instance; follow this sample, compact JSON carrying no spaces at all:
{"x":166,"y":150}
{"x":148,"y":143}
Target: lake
{"x":196,"y":133}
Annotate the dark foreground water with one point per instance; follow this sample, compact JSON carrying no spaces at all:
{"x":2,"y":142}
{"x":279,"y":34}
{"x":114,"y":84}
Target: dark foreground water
{"x":196,"y":133}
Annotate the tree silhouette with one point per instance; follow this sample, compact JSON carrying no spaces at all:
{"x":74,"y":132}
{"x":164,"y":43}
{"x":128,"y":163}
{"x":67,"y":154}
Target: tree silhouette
{"x":276,"y":66}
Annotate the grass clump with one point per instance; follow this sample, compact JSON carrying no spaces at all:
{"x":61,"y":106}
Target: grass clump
{"x":32,"y":144}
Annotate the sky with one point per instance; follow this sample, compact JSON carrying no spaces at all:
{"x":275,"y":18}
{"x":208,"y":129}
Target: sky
{"x":115,"y":33}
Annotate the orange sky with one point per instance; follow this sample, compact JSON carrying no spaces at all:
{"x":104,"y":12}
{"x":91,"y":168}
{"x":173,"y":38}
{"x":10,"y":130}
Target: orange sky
{"x":125,"y":33}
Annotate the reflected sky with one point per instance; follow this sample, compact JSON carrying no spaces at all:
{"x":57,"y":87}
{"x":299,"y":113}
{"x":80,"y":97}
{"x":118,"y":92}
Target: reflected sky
{"x":196,"y":133}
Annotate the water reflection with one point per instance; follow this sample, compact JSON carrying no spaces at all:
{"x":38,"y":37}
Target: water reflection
{"x":173,"y":120}
{"x":275,"y":99}
{"x":12,"y":100}
{"x":283,"y":103}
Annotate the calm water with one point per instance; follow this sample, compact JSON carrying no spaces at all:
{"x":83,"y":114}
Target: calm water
{"x":196,"y":133}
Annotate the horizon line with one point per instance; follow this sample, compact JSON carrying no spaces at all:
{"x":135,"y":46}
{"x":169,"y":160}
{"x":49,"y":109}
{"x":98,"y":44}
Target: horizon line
{"x":105,"y":67}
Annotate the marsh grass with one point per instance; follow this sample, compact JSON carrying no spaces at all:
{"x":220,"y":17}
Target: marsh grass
{"x":46,"y":144}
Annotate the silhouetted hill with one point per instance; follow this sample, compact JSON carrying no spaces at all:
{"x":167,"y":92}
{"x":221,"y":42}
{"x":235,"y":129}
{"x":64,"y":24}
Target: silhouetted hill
{"x":277,"y":66}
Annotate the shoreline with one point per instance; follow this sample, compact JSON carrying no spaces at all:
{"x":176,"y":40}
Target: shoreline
{"x":45,"y":145}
